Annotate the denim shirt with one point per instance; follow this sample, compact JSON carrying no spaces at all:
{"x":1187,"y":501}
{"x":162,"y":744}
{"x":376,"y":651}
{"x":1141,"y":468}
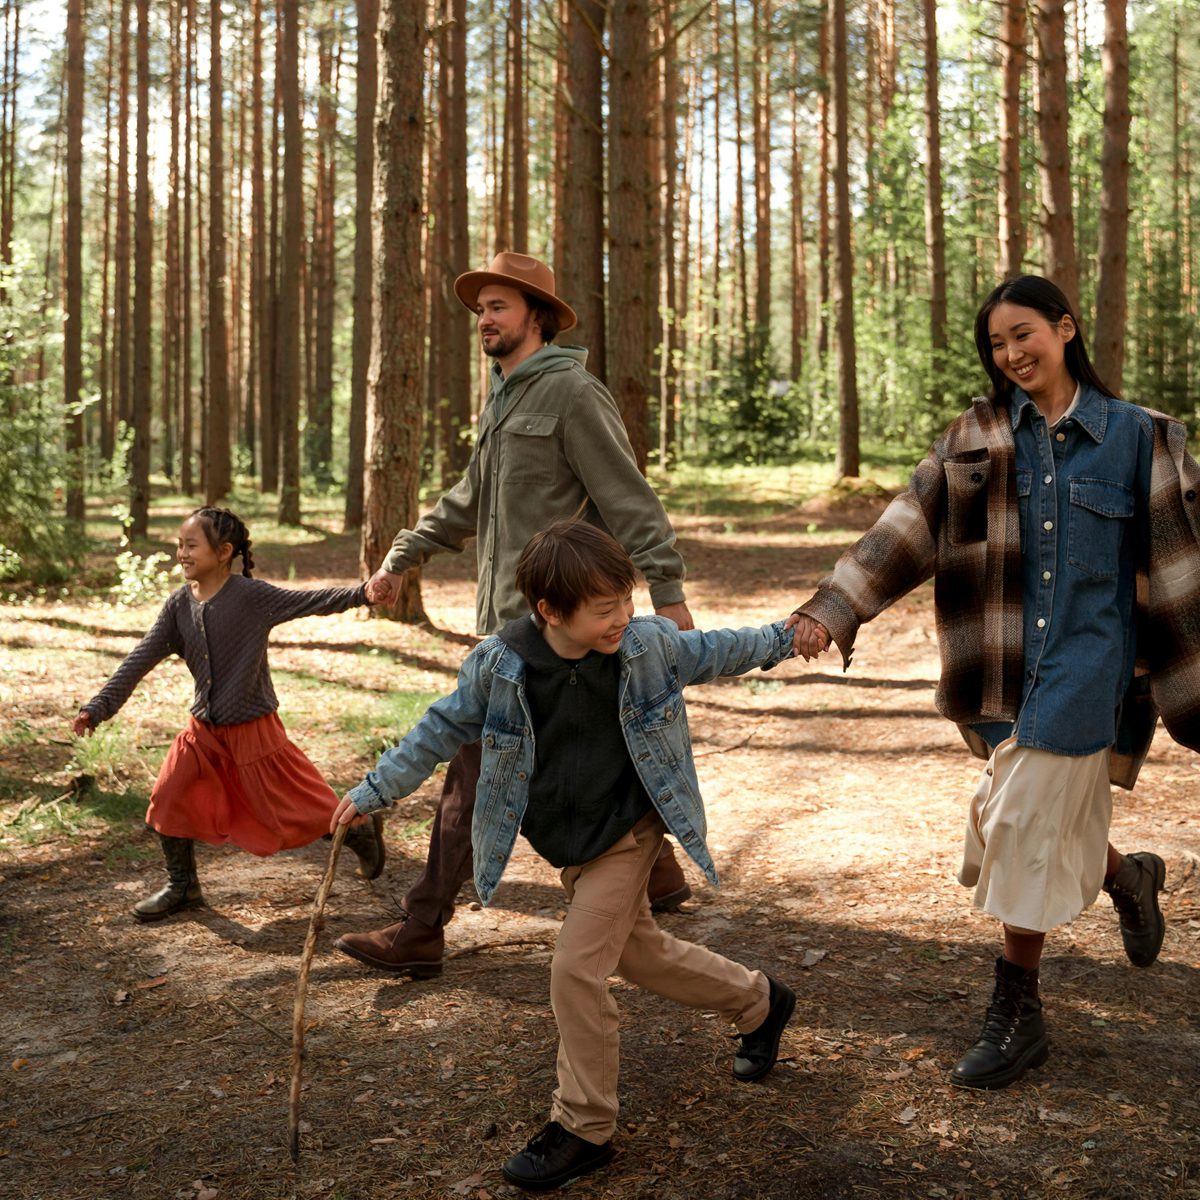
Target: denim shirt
{"x":1082,"y":490}
{"x":657,"y":662}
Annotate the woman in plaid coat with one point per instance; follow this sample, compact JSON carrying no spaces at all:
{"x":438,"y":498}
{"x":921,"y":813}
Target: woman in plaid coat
{"x":1060,"y":526}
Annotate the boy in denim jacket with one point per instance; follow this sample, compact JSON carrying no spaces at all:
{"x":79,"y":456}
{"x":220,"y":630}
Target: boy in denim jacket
{"x":586,"y":752}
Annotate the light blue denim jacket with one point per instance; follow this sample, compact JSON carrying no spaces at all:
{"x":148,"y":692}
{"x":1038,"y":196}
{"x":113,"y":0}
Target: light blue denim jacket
{"x":657,"y":662}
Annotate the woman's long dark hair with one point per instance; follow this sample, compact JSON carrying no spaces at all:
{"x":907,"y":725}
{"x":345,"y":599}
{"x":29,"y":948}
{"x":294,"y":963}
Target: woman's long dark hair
{"x":1038,"y":293}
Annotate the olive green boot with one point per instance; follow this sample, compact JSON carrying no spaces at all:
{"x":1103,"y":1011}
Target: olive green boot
{"x":183,"y":887}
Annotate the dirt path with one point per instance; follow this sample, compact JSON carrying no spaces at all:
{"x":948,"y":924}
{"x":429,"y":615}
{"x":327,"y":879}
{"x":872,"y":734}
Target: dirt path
{"x":152,"y":1061}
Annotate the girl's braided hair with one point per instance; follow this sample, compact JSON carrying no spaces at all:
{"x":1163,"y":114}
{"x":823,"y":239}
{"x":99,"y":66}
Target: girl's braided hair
{"x":220,"y":525}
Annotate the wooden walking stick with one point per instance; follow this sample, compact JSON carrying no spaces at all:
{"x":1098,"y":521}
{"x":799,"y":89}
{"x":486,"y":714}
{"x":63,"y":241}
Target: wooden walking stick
{"x":310,"y":944}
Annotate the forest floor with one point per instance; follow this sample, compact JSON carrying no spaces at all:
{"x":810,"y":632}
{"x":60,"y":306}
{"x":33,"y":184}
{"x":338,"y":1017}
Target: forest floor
{"x":153,"y":1060}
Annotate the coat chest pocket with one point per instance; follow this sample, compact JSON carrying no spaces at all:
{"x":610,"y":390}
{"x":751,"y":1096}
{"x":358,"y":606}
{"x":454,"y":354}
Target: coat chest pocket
{"x":967,"y":499}
{"x":531,"y":451}
{"x":1099,"y":514}
{"x":500,"y":754}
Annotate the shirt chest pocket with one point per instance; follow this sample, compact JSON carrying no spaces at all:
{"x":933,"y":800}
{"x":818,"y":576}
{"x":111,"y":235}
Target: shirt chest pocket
{"x":531,"y":450}
{"x":967,"y":498}
{"x":1100,"y":511}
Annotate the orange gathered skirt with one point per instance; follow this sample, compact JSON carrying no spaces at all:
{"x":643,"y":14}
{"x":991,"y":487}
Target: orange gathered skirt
{"x":246,"y":784}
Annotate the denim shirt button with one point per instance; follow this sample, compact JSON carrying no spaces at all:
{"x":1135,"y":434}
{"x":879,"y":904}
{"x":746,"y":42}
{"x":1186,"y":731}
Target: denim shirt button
{"x":1047,"y":525}
{"x":1041,"y":622}
{"x":522,"y":775}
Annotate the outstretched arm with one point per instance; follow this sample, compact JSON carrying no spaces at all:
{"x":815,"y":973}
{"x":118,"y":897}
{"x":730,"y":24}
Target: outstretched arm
{"x":162,"y":640}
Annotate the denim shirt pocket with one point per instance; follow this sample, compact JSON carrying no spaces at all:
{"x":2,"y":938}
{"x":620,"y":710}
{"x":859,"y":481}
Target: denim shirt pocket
{"x":1098,"y":513}
{"x":967,"y":497}
{"x":531,"y":450}
{"x":1024,"y":491}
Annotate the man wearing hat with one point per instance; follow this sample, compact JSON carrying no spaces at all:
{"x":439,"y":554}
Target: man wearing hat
{"x":550,"y":443}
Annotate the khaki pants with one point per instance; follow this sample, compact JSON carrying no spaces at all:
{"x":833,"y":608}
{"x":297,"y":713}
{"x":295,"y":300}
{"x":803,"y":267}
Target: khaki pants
{"x":609,"y":930}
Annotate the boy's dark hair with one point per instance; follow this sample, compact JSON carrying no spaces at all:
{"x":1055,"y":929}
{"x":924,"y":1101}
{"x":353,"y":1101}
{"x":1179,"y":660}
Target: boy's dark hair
{"x":571,"y":561}
{"x":220,"y":525}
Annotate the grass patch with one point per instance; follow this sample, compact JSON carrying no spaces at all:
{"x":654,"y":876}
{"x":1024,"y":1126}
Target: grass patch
{"x":383,"y":722}
{"x":49,"y":814}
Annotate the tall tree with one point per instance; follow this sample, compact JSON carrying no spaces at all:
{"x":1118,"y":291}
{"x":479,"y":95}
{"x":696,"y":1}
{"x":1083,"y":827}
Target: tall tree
{"x":631,"y":231}
{"x":457,"y":332}
{"x":395,"y":394}
{"x":518,"y":130}
{"x":258,"y":372}
{"x":318,"y":433}
{"x":1058,"y":219}
{"x":169,"y":372}
{"x":670,"y":321}
{"x":218,"y":474}
{"x":73,"y":312}
{"x":287,"y":334}
{"x":761,"y":119}
{"x":367,"y":12}
{"x":843,"y":271}
{"x":799,"y":268}
{"x":187,"y":482}
{"x":122,"y":365}
{"x":580,"y":273}
{"x":1011,"y":235}
{"x":104,"y":406}
{"x":1112,"y":282}
{"x":935,"y":226}
{"x":143,"y":289}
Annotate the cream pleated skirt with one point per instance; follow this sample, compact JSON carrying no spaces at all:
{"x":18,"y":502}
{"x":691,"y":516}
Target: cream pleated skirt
{"x":1037,"y":836}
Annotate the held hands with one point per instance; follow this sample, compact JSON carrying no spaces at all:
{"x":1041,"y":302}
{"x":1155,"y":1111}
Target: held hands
{"x":383,"y":588}
{"x":678,"y":613}
{"x":809,"y":638}
{"x":82,"y":724}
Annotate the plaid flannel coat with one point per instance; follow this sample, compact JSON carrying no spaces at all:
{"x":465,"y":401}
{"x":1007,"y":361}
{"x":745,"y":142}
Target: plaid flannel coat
{"x":959,"y":522}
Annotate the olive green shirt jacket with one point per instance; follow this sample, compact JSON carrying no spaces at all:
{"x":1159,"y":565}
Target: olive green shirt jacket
{"x":550,"y":441}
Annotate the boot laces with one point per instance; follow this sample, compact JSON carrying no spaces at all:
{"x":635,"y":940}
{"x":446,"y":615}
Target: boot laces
{"x":1002,"y":1017}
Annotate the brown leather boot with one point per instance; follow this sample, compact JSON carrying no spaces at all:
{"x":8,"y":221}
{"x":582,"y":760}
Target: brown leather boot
{"x":407,"y":947}
{"x":666,"y":886}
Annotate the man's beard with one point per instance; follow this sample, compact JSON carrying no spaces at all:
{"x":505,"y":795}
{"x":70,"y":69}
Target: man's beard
{"x":505,"y":343}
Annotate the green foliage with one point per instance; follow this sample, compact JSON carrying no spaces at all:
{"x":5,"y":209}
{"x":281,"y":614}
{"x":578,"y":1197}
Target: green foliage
{"x":36,"y":541}
{"x":384,"y":722}
{"x":101,"y":753}
{"x":140,"y":579}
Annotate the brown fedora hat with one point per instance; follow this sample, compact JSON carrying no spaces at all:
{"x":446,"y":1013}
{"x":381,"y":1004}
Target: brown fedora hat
{"x":520,"y":271}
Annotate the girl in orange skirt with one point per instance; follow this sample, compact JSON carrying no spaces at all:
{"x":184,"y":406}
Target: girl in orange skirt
{"x":232,"y":775}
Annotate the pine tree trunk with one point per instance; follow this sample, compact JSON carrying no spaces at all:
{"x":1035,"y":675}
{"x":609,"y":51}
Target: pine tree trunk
{"x":739,"y":194}
{"x":579,"y":273}
{"x":668,"y":374}
{"x":186,"y":422}
{"x":935,"y":226}
{"x":73,"y":313}
{"x":143,"y":289}
{"x":272,"y":407}
{"x":1058,"y":221}
{"x":287,"y":363}
{"x":519,"y":133}
{"x":258,"y":374}
{"x":762,"y":174}
{"x":105,"y":405}
{"x":168,"y":372}
{"x":121,"y":251}
{"x":319,"y":431}
{"x":218,"y":478}
{"x":395,"y":400}
{"x":367,"y":12}
{"x":1011,"y":233}
{"x":843,"y":273}
{"x":1111,"y":302}
{"x":457,"y":333}
{"x":631,"y":232}
{"x":799,"y":306}
{"x":823,"y":313}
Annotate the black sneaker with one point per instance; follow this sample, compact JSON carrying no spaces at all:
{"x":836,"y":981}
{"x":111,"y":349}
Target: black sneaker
{"x":759,"y":1049}
{"x":1134,"y":892}
{"x":554,"y":1157}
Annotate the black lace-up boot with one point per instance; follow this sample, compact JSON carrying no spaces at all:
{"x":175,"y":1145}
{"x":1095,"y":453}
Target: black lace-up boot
{"x":1014,"y":1035}
{"x":183,"y":887}
{"x":1134,"y":892}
